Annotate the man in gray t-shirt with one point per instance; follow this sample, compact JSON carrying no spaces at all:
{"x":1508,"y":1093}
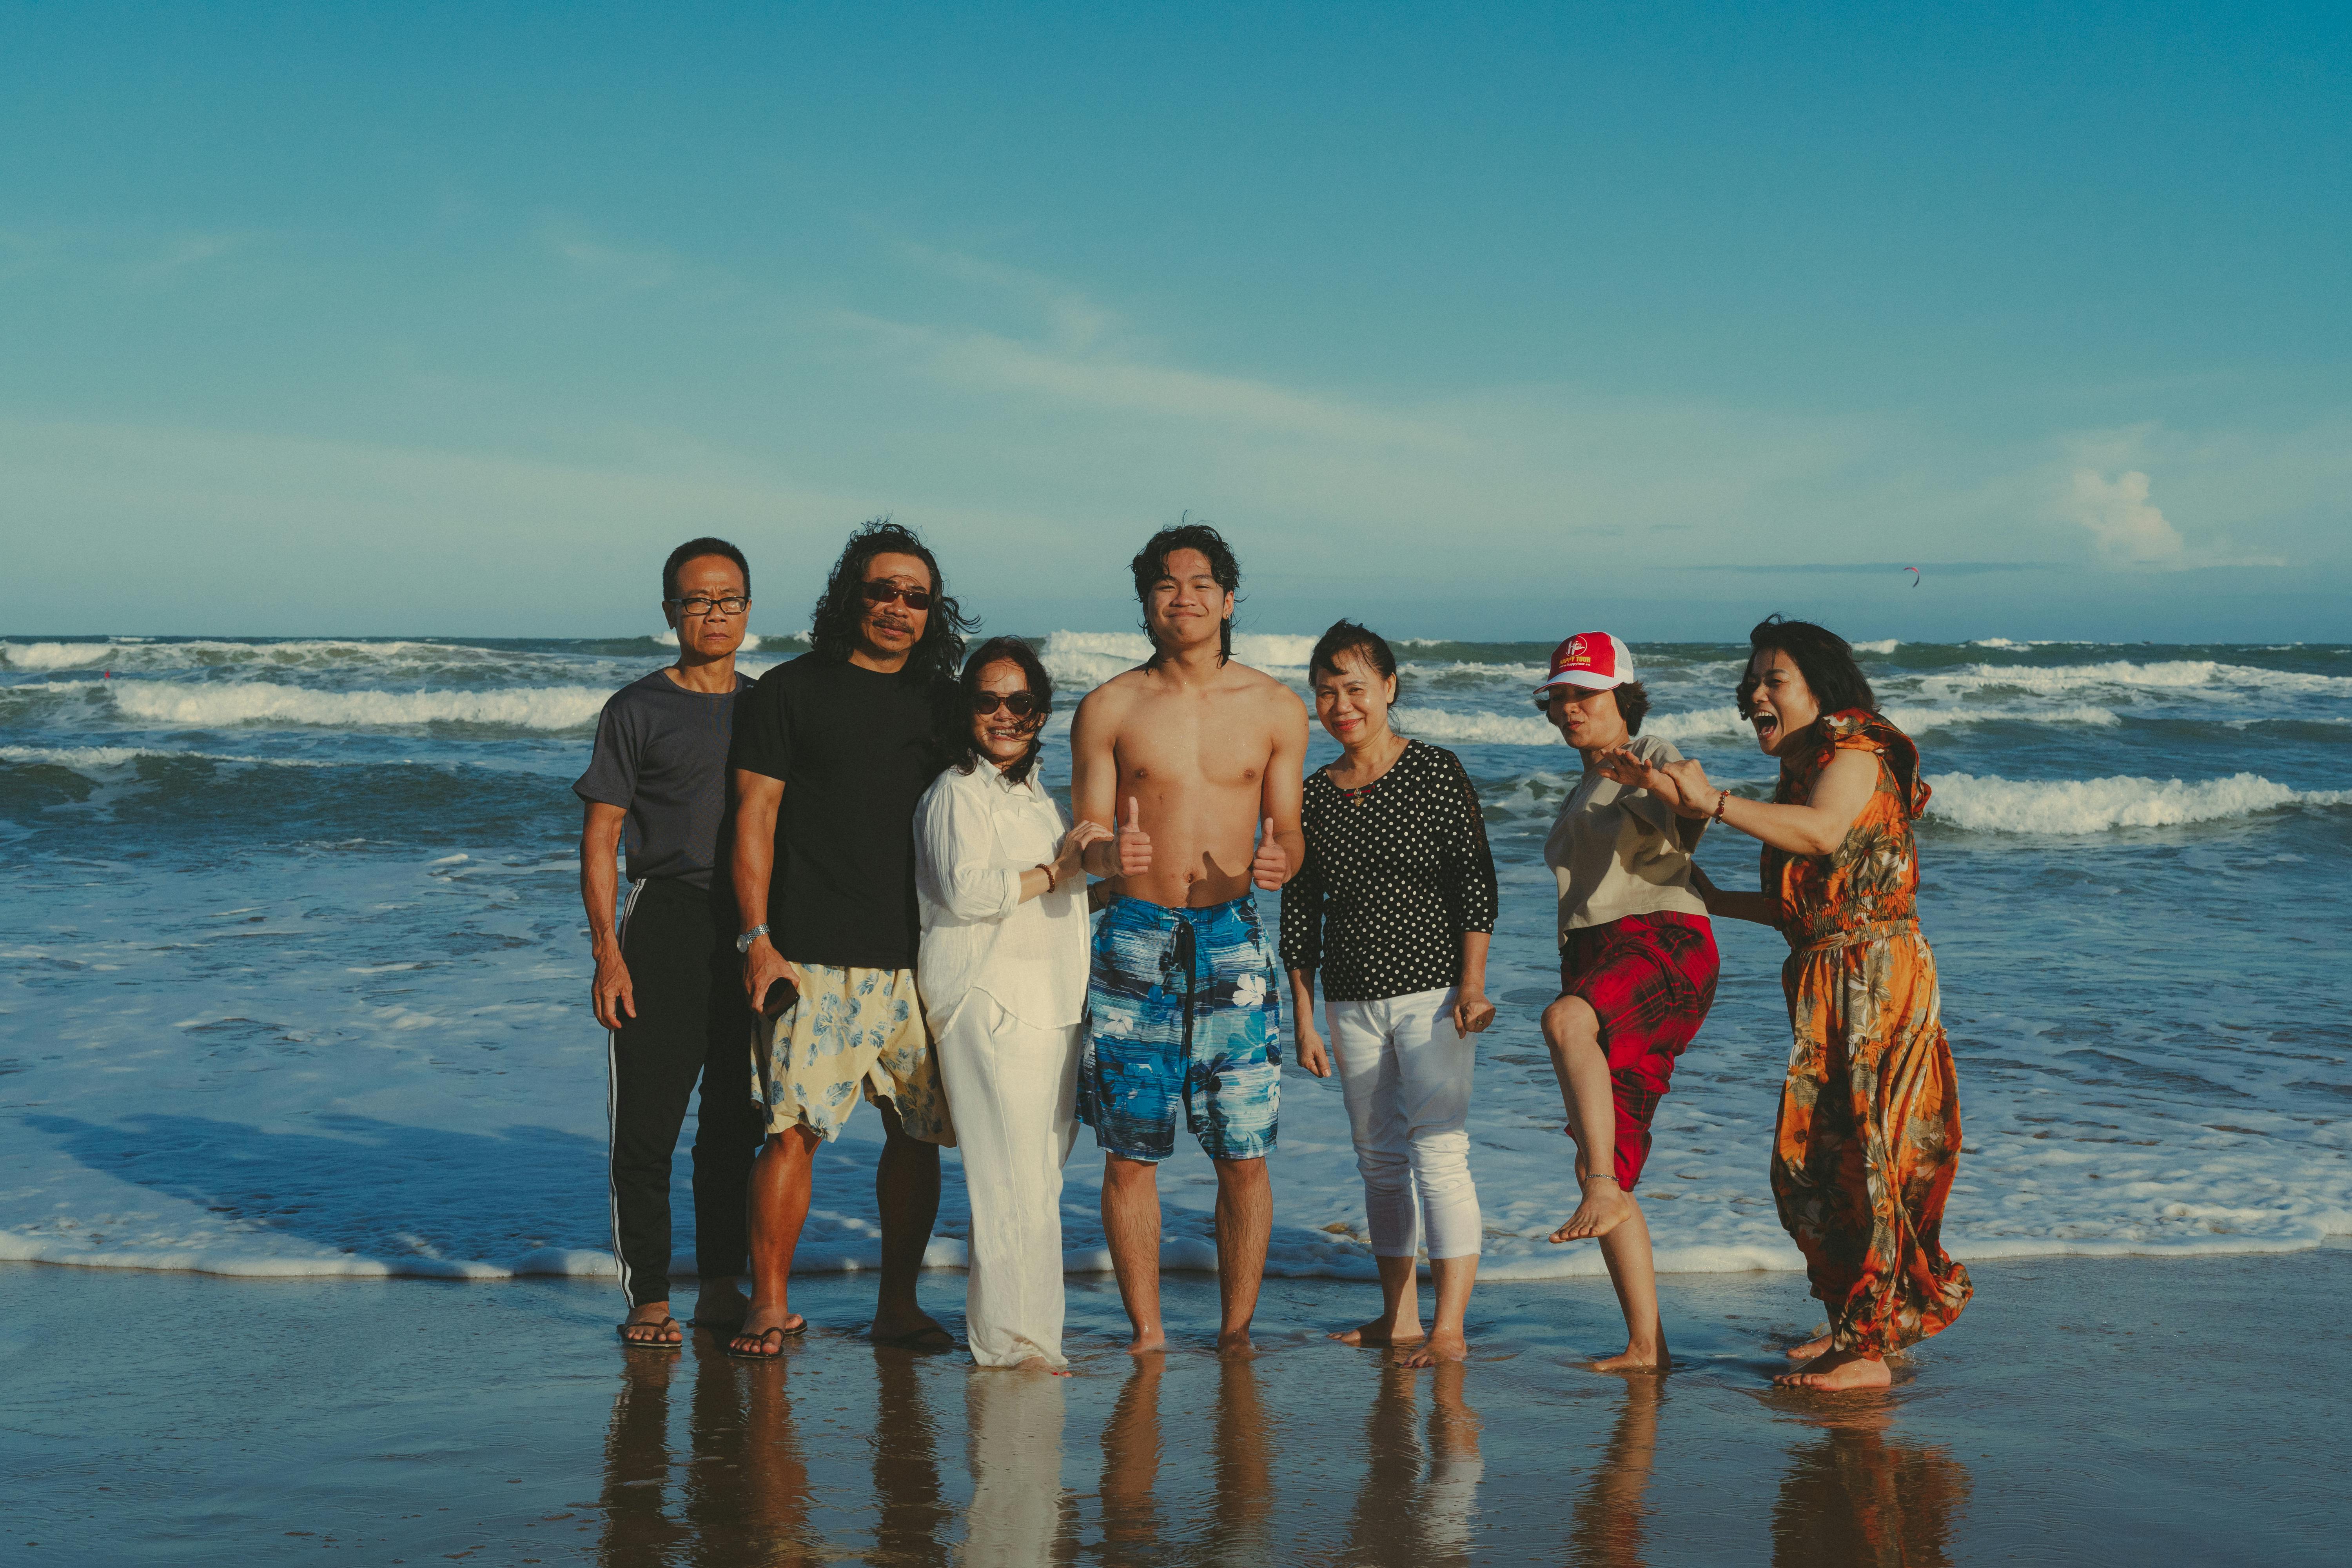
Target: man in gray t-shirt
{"x":665,"y":981}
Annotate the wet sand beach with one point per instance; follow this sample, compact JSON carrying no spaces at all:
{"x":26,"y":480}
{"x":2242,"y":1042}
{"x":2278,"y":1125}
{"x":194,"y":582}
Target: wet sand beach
{"x":2120,"y":1410}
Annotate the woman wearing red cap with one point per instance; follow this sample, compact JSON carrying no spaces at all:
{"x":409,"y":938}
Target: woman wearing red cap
{"x":1869,"y":1133}
{"x":1637,"y":965}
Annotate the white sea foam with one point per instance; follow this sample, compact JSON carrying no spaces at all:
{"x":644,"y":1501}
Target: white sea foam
{"x":196,"y":707}
{"x":1445,"y":725}
{"x":1884,"y":645}
{"x":2096,"y":806}
{"x":2161,"y":675}
{"x":106,"y":759}
{"x":52,"y":655}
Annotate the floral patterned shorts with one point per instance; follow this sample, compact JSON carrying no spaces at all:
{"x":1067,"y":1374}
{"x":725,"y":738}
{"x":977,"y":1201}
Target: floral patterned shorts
{"x":851,"y":1029}
{"x":1181,"y":1009}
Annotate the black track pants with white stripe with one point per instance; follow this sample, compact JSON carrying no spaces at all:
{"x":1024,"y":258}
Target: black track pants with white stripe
{"x":690,"y":1024}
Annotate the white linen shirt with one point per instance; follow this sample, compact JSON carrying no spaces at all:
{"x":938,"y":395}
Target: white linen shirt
{"x":975,"y":833}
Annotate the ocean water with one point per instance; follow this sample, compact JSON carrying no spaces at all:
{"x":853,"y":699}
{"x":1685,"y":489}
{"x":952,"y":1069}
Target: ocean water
{"x":293,"y":969}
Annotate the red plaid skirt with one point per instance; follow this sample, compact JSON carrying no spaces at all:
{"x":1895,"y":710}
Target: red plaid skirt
{"x":1651,"y":979}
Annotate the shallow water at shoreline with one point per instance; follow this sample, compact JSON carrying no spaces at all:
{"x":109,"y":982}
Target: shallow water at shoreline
{"x":2183,"y":1411}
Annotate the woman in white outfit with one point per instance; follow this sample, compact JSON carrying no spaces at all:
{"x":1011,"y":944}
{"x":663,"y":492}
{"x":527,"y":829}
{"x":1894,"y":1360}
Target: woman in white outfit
{"x":1002,"y":970}
{"x":1395,"y":906}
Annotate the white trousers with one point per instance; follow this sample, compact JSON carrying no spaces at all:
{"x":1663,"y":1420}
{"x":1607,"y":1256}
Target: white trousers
{"x":1406,"y":1075}
{"x":1012,"y":1090}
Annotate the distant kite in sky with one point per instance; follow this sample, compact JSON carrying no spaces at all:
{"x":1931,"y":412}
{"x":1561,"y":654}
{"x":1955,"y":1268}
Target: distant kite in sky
{"x":1915,"y":574}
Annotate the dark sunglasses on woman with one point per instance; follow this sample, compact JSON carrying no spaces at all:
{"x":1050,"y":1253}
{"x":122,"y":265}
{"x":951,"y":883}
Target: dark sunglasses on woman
{"x":1020,"y":704}
{"x":880,"y":593}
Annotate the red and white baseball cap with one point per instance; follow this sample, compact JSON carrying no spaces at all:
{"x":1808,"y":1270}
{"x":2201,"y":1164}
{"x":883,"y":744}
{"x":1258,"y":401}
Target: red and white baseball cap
{"x":1594,"y":661}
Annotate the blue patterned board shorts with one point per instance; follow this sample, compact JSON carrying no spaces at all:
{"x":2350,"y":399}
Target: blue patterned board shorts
{"x":1181,"y":1007}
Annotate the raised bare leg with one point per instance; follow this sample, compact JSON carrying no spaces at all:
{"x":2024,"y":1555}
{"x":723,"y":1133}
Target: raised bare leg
{"x":1131,"y":1215}
{"x":1447,"y":1341}
{"x":906,"y":1193}
{"x":1833,"y":1372}
{"x":1635,"y":1273}
{"x":779,"y":1205}
{"x":1400,"y":1319}
{"x":1245,"y":1222}
{"x":1572,"y":1031}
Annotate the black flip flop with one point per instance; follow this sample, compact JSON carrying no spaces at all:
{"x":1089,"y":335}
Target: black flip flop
{"x":781,"y":1335}
{"x":622,"y":1330}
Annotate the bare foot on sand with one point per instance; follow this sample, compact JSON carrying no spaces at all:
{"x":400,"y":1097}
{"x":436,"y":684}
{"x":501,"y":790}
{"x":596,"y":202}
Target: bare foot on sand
{"x":911,"y":1331}
{"x":1604,"y":1208}
{"x":1379,"y":1333}
{"x":1634,"y":1358}
{"x":1442,"y":1346}
{"x":1039,"y":1363}
{"x":1818,"y":1346}
{"x":1833,"y":1372}
{"x":1235,"y":1342}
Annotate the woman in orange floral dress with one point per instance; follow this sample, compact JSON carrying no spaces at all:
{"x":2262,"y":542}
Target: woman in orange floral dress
{"x":1869,"y":1135}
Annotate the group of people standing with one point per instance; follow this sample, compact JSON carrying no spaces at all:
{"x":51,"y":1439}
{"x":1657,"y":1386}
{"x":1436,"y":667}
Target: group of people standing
{"x":854,"y":866}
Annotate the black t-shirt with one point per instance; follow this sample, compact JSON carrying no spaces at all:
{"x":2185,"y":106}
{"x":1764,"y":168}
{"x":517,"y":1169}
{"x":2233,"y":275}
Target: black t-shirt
{"x":855,"y":751}
{"x":661,"y":755}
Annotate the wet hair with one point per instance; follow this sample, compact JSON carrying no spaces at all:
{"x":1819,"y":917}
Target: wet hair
{"x":1348,"y":637}
{"x":1150,"y":564}
{"x":1824,"y":659}
{"x":832,"y":626}
{"x":694,"y":549}
{"x":957,"y":749}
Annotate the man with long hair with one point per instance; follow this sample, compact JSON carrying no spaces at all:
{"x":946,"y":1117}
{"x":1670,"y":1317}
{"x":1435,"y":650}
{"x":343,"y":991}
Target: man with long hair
{"x":1194,"y":763}
{"x":832,"y":751}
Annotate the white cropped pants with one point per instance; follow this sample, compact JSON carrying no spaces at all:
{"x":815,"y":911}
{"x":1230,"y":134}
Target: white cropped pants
{"x":1406,"y":1075}
{"x":1013,"y":1092}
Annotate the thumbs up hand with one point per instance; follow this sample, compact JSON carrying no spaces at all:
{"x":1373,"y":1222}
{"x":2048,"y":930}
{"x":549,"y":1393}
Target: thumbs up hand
{"x":1134,"y":843}
{"x":1271,"y":870}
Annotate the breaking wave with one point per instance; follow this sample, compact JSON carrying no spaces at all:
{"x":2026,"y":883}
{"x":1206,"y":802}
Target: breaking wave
{"x":2097,"y":806}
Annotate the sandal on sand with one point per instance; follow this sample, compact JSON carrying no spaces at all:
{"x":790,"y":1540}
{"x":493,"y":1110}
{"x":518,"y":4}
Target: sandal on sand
{"x":653,"y":1344}
{"x":763,"y":1353}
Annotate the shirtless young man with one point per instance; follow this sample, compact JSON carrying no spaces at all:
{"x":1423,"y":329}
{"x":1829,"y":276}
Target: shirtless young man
{"x":1196,"y":763}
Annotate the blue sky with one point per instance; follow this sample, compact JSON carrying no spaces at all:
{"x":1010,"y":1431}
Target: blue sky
{"x":1469,"y":321}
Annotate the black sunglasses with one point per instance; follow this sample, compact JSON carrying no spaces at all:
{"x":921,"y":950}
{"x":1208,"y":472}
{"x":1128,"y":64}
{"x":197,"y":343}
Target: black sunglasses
{"x":881,"y":593}
{"x":1020,"y":704}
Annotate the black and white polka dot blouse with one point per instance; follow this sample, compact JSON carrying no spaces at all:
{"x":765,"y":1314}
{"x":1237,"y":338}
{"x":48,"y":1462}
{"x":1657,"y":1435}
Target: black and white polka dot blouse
{"x":1396,"y":873}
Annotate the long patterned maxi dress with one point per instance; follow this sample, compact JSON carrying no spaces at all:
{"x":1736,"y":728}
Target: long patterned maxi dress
{"x":1869,"y":1135}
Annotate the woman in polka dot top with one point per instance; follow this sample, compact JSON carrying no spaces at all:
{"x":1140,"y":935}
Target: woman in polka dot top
{"x":1395,"y":905}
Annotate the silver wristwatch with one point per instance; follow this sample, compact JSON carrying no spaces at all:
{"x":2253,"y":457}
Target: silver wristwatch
{"x":743,"y":942}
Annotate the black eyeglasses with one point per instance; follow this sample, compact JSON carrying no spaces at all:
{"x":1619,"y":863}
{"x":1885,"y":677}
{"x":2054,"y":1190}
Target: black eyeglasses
{"x":701,"y":604}
{"x":1020,"y":704}
{"x":881,"y":593}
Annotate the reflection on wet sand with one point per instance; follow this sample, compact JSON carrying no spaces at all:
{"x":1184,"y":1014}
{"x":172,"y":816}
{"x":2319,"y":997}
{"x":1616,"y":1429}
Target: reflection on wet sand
{"x":1131,"y":1469}
{"x":1399,"y":1515}
{"x":912,"y":1520}
{"x":1856,"y":1497}
{"x":746,"y":1487}
{"x":1608,"y":1526}
{"x":1018,"y":1507}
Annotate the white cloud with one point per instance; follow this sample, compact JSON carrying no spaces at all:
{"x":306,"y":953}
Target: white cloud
{"x":2125,"y":527}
